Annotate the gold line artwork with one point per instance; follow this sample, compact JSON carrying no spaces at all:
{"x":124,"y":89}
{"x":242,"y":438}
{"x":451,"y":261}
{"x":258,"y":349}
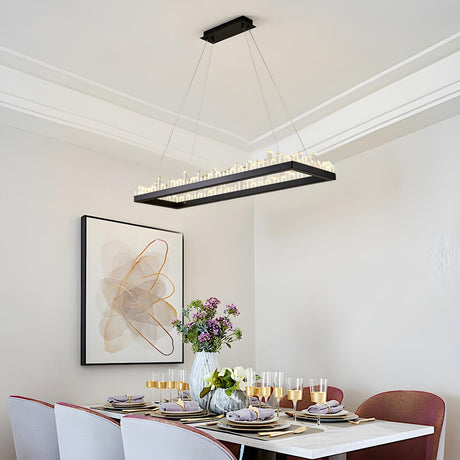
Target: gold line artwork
{"x":136,"y":293}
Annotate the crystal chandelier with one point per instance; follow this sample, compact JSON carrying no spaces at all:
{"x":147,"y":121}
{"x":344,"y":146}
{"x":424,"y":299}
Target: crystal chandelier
{"x":275,"y":172}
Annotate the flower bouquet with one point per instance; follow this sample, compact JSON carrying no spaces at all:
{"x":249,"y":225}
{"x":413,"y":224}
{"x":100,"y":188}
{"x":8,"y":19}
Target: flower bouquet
{"x":204,"y":329}
{"x":229,"y":379}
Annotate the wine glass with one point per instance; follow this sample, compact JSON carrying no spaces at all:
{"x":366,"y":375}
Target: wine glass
{"x":180,"y":382}
{"x":150,"y":384}
{"x":294,"y":392}
{"x":250,"y":382}
{"x":266,"y":387}
{"x":171,"y":382}
{"x":162,"y":382}
{"x":278,"y":388}
{"x":318,"y":390}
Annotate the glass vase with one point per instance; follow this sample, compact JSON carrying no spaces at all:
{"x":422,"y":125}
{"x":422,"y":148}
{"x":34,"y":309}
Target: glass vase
{"x":203,"y":364}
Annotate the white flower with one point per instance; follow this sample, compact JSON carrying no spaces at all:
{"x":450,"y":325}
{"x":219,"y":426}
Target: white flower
{"x":238,"y":374}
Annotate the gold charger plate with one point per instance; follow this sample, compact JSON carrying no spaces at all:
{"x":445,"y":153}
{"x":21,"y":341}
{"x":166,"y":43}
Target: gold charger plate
{"x":255,"y":428}
{"x":344,"y":418}
{"x":269,"y":421}
{"x":183,"y":414}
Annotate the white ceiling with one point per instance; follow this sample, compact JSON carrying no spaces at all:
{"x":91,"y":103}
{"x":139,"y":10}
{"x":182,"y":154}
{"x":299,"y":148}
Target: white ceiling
{"x":148,"y":49}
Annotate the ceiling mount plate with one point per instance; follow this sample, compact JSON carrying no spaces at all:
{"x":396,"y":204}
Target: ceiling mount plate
{"x":228,"y":29}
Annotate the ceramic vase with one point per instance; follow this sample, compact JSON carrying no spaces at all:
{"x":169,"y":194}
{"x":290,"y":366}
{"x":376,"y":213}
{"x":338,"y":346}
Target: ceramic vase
{"x":203,"y":364}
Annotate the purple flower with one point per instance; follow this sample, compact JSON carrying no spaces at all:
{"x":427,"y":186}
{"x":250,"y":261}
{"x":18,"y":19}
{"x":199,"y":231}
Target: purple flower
{"x":174,"y":321}
{"x":199,"y":315}
{"x":204,"y":337}
{"x":232,"y":310}
{"x":211,"y":303}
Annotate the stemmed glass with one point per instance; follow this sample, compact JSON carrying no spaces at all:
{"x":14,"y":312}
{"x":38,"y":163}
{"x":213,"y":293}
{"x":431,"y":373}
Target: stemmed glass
{"x":181,"y":382}
{"x":171,"y":382}
{"x":278,"y":388}
{"x":318,"y":390}
{"x":150,"y":384}
{"x":294,"y":392}
{"x":162,"y":382}
{"x":266,"y":388}
{"x":250,"y":383}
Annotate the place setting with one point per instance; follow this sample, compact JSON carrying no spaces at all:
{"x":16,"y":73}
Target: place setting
{"x":126,"y":403}
{"x":183,"y":411}
{"x":259,"y":423}
{"x":322,"y":411}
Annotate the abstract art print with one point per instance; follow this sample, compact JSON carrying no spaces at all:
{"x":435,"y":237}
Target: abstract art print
{"x":132,"y":288}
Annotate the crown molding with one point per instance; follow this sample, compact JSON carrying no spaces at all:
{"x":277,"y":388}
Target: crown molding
{"x":418,"y":61}
{"x":35,"y":90}
{"x":61,"y":77}
{"x":434,"y":85}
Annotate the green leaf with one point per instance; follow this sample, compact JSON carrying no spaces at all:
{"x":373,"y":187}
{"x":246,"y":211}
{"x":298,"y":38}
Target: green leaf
{"x":205,"y":391}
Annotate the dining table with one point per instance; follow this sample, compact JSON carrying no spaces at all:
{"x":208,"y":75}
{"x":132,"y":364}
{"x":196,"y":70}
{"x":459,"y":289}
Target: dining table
{"x":332,"y":440}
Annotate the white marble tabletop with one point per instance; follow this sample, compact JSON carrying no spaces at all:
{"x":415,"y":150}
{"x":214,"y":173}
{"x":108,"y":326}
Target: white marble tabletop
{"x":333,"y":441}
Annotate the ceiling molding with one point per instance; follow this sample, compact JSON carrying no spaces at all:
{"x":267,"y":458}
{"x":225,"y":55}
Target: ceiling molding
{"x":432,"y":86}
{"x":47,"y":101}
{"x":143,"y":137}
{"x":61,"y":77}
{"x":423,"y":59}
{"x":64,"y":78}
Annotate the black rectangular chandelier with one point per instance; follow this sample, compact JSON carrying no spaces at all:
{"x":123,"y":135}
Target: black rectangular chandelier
{"x":276,"y":172}
{"x":237,"y":185}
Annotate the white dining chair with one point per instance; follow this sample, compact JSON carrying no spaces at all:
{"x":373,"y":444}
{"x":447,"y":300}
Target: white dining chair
{"x":34,"y":429}
{"x":84,"y":434}
{"x":147,"y":438}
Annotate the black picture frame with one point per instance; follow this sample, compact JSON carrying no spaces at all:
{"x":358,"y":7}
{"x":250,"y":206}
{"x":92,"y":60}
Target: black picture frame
{"x":93,"y":231}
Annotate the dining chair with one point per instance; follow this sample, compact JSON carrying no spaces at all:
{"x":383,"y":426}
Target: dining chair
{"x":305,"y":402}
{"x":34,"y":429}
{"x":147,"y":438}
{"x":87,"y":435}
{"x":405,"y":406}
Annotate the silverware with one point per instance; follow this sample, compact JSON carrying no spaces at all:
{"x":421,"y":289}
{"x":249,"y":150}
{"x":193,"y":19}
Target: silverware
{"x":362,"y":420}
{"x":275,"y":434}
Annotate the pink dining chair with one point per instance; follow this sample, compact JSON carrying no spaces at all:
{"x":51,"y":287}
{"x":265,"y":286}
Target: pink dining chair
{"x":405,"y":406}
{"x":147,"y":438}
{"x":84,"y":434}
{"x":305,"y":402}
{"x":34,"y":429}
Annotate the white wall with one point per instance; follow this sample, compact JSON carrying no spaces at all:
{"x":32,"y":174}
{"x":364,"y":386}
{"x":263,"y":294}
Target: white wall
{"x":363,"y":273}
{"x":46,"y":185}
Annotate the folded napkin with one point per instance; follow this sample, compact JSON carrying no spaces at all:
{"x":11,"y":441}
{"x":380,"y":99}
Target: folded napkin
{"x":249,"y":415}
{"x":330,"y":407}
{"x":134,"y":399}
{"x":186,"y":394}
{"x":174,"y":407}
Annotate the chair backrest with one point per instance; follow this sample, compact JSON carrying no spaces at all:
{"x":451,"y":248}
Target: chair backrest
{"x":405,"y":406}
{"x":146,"y":438}
{"x":84,"y":434}
{"x":305,"y":402}
{"x":34,"y":429}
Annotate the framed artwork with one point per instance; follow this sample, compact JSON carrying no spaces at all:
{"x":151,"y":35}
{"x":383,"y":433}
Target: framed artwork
{"x":131,"y":290}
